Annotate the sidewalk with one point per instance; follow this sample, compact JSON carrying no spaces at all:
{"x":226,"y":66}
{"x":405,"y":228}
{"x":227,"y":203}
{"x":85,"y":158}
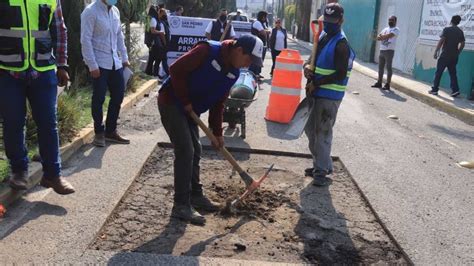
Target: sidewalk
{"x":461,"y":108}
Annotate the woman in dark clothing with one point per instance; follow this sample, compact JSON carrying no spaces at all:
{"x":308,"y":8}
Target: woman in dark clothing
{"x":158,"y":43}
{"x":277,"y":42}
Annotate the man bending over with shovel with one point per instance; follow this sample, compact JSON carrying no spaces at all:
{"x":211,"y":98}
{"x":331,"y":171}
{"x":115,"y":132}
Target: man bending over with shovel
{"x":199,"y":81}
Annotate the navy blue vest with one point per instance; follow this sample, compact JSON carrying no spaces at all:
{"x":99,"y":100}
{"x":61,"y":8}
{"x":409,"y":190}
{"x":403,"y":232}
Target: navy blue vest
{"x":208,"y":84}
{"x":216,"y":32}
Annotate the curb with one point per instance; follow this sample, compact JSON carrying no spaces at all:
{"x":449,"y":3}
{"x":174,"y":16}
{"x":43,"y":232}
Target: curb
{"x":8,"y":195}
{"x":405,"y":85}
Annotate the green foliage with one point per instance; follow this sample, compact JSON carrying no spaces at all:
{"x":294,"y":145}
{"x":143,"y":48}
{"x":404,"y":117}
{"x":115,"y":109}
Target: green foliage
{"x":290,"y":12}
{"x":131,"y":11}
{"x":72,"y":17}
{"x":197,"y":8}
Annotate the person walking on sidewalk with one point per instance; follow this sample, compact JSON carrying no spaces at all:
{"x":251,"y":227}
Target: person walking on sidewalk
{"x":104,"y":51}
{"x":199,"y":81}
{"x":216,"y":28}
{"x":388,"y":41}
{"x":34,"y":44}
{"x":452,"y":40}
{"x":334,"y":60}
{"x":278,"y":42}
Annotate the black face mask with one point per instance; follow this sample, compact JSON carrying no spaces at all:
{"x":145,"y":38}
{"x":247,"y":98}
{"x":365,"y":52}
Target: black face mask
{"x":222,"y":18}
{"x":391,"y":24}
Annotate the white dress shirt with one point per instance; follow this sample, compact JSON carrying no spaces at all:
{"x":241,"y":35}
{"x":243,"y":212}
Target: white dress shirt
{"x":102,"y":38}
{"x":209,"y":29}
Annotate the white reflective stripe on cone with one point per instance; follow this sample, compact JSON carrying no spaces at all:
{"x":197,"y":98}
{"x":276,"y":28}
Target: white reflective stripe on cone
{"x":11,"y":58}
{"x":288,"y":66}
{"x":41,"y":34}
{"x":43,"y":56}
{"x":12,"y":33}
{"x":286,"y":91}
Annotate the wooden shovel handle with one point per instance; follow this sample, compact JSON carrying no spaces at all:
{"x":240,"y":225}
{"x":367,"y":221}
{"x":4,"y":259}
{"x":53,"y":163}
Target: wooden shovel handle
{"x":213,"y":139}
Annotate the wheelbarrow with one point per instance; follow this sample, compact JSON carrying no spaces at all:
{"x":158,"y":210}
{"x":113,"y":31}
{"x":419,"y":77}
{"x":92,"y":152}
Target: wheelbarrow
{"x":241,"y":96}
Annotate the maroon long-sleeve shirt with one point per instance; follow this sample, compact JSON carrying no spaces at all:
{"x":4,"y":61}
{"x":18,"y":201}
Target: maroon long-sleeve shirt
{"x":180,"y":72}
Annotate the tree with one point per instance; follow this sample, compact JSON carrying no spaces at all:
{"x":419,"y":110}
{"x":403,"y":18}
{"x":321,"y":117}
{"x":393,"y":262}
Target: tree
{"x":197,"y":8}
{"x":131,"y":11}
{"x":72,"y":18}
{"x":303,"y":18}
{"x":289,"y":15}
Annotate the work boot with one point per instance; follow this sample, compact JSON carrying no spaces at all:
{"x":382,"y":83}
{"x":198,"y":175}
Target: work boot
{"x":308,"y":171}
{"x":116,"y":138}
{"x":386,"y":87}
{"x":59,"y":185}
{"x":201,"y":202}
{"x":19,"y":180}
{"x":377,"y":85}
{"x":99,"y":140}
{"x":321,"y":181}
{"x":188,"y":214}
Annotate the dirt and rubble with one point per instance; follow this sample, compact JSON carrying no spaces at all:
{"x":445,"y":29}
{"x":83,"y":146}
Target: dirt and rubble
{"x":286,"y":220}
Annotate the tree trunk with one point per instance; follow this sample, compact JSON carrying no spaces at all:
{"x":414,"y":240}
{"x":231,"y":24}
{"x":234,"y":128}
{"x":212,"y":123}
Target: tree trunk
{"x":128,"y":36}
{"x":303,"y":16}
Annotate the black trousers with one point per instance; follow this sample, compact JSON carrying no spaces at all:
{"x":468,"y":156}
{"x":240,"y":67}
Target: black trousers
{"x":444,"y":63}
{"x":275,"y":53}
{"x":155,"y":57}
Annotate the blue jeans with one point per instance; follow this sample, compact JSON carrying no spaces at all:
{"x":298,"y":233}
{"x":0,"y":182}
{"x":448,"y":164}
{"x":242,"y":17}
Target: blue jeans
{"x":442,"y":64}
{"x":113,"y":80}
{"x":42,"y":96}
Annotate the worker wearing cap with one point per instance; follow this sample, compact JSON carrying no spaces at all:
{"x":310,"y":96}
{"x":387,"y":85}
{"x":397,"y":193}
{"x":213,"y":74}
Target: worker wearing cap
{"x":199,"y":81}
{"x":334,"y":59}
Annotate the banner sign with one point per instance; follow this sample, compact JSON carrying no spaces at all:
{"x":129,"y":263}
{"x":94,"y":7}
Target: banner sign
{"x":437,"y":15}
{"x":187,"y":31}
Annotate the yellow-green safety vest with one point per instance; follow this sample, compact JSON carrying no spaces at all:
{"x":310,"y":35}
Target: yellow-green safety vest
{"x":25,"y":39}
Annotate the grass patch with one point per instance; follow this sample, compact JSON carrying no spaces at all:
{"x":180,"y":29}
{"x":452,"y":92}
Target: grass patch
{"x":74,"y":113}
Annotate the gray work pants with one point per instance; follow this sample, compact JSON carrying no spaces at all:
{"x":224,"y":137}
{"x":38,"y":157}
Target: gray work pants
{"x":386,"y":57}
{"x":184,"y":135}
{"x":319,"y":132}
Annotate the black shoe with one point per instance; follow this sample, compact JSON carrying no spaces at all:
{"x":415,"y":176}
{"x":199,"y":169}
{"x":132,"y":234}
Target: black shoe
{"x":99,"y":140}
{"x":455,"y":94}
{"x":433,"y":92}
{"x":116,"y":138}
{"x":188,"y":214}
{"x":308,"y":171}
{"x":201,"y":202}
{"x":19,"y":181}
{"x":321,"y":181}
{"x":377,"y":85}
{"x":386,"y":87}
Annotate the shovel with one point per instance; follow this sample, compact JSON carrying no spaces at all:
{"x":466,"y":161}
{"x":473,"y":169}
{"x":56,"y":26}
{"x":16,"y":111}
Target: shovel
{"x":305,"y":107}
{"x":298,"y":123}
{"x":248,"y":180}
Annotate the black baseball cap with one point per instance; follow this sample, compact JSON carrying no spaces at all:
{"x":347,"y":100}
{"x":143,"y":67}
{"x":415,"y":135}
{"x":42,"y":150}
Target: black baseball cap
{"x":333,"y":12}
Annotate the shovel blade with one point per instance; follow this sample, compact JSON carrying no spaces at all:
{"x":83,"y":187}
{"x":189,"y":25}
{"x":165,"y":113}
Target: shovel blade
{"x":298,"y":123}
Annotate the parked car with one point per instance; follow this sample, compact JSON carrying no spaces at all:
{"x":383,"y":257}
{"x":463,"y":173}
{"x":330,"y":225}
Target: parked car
{"x":243,"y":17}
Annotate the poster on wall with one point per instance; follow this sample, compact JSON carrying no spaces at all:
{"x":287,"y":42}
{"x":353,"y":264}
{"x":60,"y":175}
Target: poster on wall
{"x":187,"y":31}
{"x":437,"y":15}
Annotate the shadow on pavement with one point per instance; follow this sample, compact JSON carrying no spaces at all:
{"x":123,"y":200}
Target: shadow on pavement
{"x":40,"y":209}
{"x":166,"y":241}
{"x":90,"y":158}
{"x":321,"y":226}
{"x":459,"y":134}
{"x":394,"y":96}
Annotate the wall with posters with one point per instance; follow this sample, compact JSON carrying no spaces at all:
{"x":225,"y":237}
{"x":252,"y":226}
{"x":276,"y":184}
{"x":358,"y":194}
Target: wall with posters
{"x":187,"y":31}
{"x":437,"y":15}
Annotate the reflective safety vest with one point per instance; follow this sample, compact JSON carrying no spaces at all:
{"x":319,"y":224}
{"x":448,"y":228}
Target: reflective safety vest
{"x":25,"y":39}
{"x":208,"y":84}
{"x":325,"y":66}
